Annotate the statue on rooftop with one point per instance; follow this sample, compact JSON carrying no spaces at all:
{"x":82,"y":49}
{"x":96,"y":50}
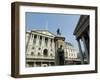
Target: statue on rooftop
{"x":58,"y":32}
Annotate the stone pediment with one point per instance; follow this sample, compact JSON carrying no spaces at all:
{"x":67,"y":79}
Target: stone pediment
{"x":46,"y":32}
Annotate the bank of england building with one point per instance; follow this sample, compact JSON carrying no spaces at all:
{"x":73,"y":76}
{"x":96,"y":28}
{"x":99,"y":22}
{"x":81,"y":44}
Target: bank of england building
{"x":41,"y":49}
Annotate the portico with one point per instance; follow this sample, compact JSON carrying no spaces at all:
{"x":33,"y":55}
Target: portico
{"x":81,"y":33}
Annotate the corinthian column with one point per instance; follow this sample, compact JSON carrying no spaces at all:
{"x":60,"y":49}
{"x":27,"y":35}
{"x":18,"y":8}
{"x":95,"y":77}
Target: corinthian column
{"x":86,"y":50}
{"x":80,"y":51}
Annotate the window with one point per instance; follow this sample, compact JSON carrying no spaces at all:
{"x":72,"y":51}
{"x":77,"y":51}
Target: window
{"x":46,"y":41}
{"x":32,"y":53}
{"x":45,"y":52}
{"x":39,"y":48}
{"x":39,"y":54}
{"x":40,"y":41}
{"x":51,"y":54}
{"x":34,"y":41}
{"x":35,"y":36}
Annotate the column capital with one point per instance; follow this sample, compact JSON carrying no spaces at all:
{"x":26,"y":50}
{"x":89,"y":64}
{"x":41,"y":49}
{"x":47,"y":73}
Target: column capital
{"x":78,"y":39}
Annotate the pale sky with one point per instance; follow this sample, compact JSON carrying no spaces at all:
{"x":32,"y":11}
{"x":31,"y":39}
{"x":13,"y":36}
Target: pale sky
{"x":51,"y":22}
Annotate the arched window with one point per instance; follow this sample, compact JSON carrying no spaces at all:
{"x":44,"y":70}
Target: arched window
{"x":34,"y":41}
{"x":39,"y":54}
{"x":45,"y":52}
{"x":40,"y":41}
{"x":32,"y":53}
{"x":46,"y":41}
{"x":39,"y":48}
{"x":51,"y":54}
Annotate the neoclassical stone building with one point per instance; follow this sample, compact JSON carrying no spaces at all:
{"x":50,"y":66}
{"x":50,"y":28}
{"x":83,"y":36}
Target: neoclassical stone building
{"x":70,"y":50}
{"x":71,"y":54}
{"x":41,"y":48}
{"x":81,"y":33}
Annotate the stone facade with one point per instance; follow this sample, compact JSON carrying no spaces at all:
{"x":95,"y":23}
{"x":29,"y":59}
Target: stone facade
{"x":71,"y":51}
{"x":41,"y":47}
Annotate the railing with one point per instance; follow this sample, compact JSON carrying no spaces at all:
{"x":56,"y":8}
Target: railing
{"x":49,"y":57}
{"x":39,"y":57}
{"x":72,"y":59}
